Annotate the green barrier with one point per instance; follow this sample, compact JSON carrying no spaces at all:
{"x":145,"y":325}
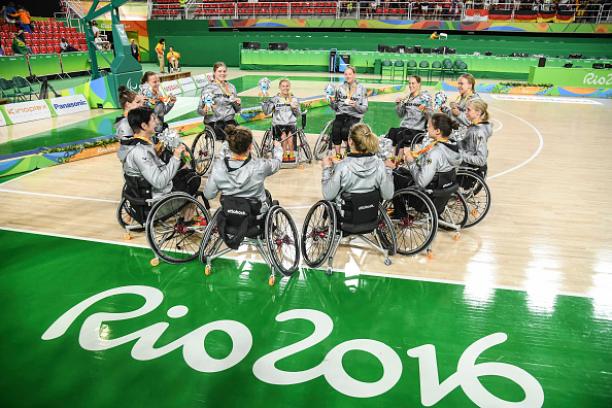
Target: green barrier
{"x":579,"y":77}
{"x":289,"y":57}
{"x":14,"y":66}
{"x":45,"y":64}
{"x":75,"y":62}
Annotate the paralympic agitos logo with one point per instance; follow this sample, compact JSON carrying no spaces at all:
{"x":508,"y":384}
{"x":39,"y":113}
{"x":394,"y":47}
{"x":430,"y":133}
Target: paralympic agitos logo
{"x":331,"y":368}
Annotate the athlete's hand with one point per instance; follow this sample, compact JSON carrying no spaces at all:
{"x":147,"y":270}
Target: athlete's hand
{"x":408,"y":157}
{"x":398,"y":99}
{"x":352,"y":103}
{"x":277,"y":143}
{"x":390,"y":164}
{"x":178,"y":151}
{"x":238,"y":101}
{"x":327,"y":161}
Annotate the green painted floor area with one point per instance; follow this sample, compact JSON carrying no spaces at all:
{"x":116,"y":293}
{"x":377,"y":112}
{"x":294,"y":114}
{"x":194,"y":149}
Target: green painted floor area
{"x":175,"y":348}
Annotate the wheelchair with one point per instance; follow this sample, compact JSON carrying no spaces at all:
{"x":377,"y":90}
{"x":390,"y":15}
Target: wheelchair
{"x":476,"y":192}
{"x":324,"y":142}
{"x":174,"y":224}
{"x":239,"y":222}
{"x":304,"y":154}
{"x":355,"y":216}
{"x":203,"y":148}
{"x":418,"y":213}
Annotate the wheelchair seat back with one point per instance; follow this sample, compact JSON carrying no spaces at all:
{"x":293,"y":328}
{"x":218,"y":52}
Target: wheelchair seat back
{"x":137,"y":191}
{"x":442,"y":187}
{"x":238,"y":219}
{"x":359,"y":212}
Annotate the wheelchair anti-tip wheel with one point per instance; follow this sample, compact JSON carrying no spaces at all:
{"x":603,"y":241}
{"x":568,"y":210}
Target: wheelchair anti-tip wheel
{"x":477,"y":195}
{"x":455,"y":213}
{"x":203,"y":150}
{"x":323,"y":143}
{"x":175,"y":227}
{"x":318,"y":233}
{"x":282,"y":240}
{"x":414,"y":219}
{"x":386,"y":232}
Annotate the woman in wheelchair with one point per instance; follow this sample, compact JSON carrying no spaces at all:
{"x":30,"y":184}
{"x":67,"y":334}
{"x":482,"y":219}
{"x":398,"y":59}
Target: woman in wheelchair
{"x":438,"y":157}
{"x":466,"y":85}
{"x":285,"y":109}
{"x":161,"y":105}
{"x":219,"y":102}
{"x":123,"y":131}
{"x":413,"y":109}
{"x":350,"y":103}
{"x":143,"y":163}
{"x":473,"y":146}
{"x":361,"y":171}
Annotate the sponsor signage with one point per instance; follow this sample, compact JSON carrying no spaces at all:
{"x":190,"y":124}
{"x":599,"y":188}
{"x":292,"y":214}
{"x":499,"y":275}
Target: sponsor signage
{"x":27,"y":111}
{"x":187,"y":84}
{"x":171,"y":87}
{"x":200,"y":80}
{"x":69,"y":104}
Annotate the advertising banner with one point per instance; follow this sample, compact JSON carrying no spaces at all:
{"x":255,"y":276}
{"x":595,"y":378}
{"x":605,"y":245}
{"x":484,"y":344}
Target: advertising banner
{"x":187,"y":84}
{"x":171,"y":87}
{"x":69,"y":104}
{"x":200,"y":80}
{"x":27,"y":111}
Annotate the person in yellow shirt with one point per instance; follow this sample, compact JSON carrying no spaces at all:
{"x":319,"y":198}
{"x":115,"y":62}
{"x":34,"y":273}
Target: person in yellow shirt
{"x":173,"y":60}
{"x":160,"y":49}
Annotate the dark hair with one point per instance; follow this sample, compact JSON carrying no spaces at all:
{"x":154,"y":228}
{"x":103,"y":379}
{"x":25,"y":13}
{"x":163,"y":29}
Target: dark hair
{"x":125,"y":96}
{"x":138,"y":116}
{"x":162,"y":40}
{"x":239,"y":138}
{"x":416,"y":78}
{"x":146,"y":76}
{"x":443,"y":123}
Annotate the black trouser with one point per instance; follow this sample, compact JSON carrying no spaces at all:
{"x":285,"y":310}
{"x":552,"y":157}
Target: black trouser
{"x":187,"y":181}
{"x":341,"y":127}
{"x":278,"y":130}
{"x":402,"y":137}
{"x":219,"y":127}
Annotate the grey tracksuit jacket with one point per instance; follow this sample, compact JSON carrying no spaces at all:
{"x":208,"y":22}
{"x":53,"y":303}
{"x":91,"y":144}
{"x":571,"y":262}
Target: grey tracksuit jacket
{"x":357,"y":174}
{"x":141,"y":160}
{"x":123,"y":132}
{"x":439,"y":159}
{"x":360,"y":96}
{"x":473,"y":146}
{"x":223,"y":109}
{"x":462,"y":106}
{"x":412,"y":116}
{"x":282,"y":112}
{"x":247,"y":181}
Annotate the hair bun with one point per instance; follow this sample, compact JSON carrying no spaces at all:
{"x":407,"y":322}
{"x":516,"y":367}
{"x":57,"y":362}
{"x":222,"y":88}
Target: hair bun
{"x":122,"y":89}
{"x":454,"y":125}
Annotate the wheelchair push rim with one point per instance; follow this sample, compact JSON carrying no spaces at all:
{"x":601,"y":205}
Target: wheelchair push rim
{"x":386,"y":231}
{"x":318,"y":233}
{"x":175,"y":227}
{"x":283,"y":241}
{"x":416,"y":230}
{"x":323,"y":141}
{"x":477,"y":195}
{"x":203,"y":150}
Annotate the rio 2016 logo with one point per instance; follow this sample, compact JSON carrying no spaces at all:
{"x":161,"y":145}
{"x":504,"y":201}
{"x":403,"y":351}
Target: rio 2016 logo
{"x":593,"y":79}
{"x":330,"y":368}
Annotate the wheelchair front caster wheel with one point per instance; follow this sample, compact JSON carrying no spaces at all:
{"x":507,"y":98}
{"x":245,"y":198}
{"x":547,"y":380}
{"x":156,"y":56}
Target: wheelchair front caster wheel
{"x":271,"y":280}
{"x":429,"y":254}
{"x":154,"y":261}
{"x":207,"y":270}
{"x":387,"y":262}
{"x":328,"y":271}
{"x":127,"y":236}
{"x":457,"y":236}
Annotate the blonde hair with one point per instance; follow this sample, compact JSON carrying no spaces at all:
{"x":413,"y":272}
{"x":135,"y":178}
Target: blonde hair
{"x":284,"y":80}
{"x":470,"y":78}
{"x":364,"y":140}
{"x":481,"y":106}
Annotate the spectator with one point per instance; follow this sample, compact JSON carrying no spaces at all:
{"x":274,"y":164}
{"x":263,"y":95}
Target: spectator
{"x":1,"y":51}
{"x":24,"y":19}
{"x":19,"y":47}
{"x":98,"y":42}
{"x":65,"y":46}
{"x":135,"y":50}
{"x":8,"y":11}
{"x":160,"y":48}
{"x":173,"y":60}
{"x":95,"y":29}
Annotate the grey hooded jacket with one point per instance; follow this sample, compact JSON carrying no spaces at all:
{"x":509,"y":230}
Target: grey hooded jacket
{"x":223,"y":107}
{"x":409,"y":110}
{"x":246,"y":181}
{"x":357,"y":174}
{"x":123,"y":132}
{"x":360,"y":96}
{"x":141,"y":160}
{"x":282,"y":112}
{"x":439,"y":159}
{"x":474,"y":144}
{"x":462,"y":107}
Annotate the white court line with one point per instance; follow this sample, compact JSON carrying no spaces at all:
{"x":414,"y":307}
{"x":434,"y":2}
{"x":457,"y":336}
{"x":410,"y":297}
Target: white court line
{"x":302,"y":267}
{"x":66,"y":197}
{"x":501,"y":125}
{"x":532,"y":157}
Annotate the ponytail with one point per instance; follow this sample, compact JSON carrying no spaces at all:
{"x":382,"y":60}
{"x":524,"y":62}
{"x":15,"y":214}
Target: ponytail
{"x":239,"y":138}
{"x":364,"y":140}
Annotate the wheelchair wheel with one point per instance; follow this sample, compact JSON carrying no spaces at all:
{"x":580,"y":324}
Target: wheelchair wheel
{"x":455,"y":213}
{"x":318,"y":233}
{"x":304,"y":152}
{"x":203,"y":151}
{"x":282,"y":240}
{"x":323,"y":142}
{"x":255,"y":153}
{"x":414,"y":219}
{"x":477,"y":195}
{"x":175,"y":227}
{"x":386,"y":231}
{"x":212,"y":239}
{"x":126,"y":217}
{"x":267,"y":145}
